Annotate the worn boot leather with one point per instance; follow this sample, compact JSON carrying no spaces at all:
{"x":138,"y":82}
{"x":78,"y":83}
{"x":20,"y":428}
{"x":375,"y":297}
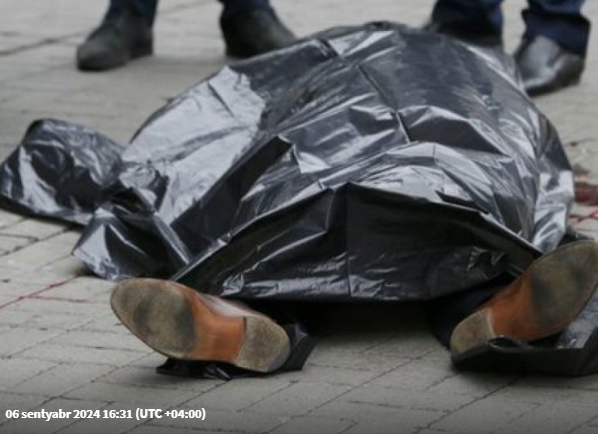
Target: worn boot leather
{"x":184,"y":324}
{"x":544,"y":300}
{"x":116,"y":41}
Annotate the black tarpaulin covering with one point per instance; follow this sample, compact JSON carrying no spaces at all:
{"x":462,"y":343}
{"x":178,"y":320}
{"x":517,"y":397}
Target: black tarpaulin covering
{"x":370,"y":163}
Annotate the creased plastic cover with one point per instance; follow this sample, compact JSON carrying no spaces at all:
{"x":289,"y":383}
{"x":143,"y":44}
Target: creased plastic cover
{"x":368,"y":163}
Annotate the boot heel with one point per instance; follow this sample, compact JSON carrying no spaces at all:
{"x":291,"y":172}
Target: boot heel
{"x":144,"y":49}
{"x":472,"y":332}
{"x":266,"y":346}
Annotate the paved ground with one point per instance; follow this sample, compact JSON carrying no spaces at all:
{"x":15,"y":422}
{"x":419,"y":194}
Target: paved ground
{"x":61,"y":347}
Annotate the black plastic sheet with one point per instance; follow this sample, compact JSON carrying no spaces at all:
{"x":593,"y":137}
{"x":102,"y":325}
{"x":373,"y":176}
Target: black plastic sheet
{"x":371,"y":163}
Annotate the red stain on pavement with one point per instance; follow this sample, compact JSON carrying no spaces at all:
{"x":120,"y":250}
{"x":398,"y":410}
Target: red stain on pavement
{"x":36,"y":293}
{"x":586,"y":193}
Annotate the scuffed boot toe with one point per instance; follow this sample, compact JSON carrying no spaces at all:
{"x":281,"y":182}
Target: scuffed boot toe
{"x":94,"y":56}
{"x":115,"y":42}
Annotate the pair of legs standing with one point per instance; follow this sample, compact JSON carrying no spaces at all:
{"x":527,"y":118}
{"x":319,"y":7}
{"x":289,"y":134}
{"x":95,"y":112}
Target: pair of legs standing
{"x":558,"y":20}
{"x":551,"y":55}
{"x":249,"y":27}
{"x":553,"y":48}
{"x":148,"y":8}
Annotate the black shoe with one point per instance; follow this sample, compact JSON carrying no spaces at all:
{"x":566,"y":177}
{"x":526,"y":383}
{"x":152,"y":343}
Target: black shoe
{"x":254,"y":31}
{"x":485,"y":40}
{"x":115,"y":42}
{"x":545,"y":66}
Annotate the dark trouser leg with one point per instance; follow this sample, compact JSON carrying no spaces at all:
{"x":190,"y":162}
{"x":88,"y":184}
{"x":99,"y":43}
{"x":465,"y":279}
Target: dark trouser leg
{"x":560,"y":21}
{"x":144,"y":8}
{"x":476,"y":17}
{"x":147,"y":8}
{"x":251,"y":27}
{"x":233,"y":7}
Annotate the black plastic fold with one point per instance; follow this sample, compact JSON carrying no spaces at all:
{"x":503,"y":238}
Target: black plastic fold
{"x":60,"y":171}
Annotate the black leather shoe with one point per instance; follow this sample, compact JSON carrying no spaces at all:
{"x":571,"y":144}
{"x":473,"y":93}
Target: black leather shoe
{"x":117,"y":40}
{"x":489,"y":41}
{"x":545,"y":66}
{"x":253,"y":32}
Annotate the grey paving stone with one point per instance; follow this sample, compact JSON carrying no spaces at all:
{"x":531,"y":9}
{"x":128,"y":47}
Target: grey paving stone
{"x":410,"y":399}
{"x":43,"y":253}
{"x":472,"y":384}
{"x":151,"y":360}
{"x":79,"y":338}
{"x":415,"y":343}
{"x":59,"y":379}
{"x":147,"y":377}
{"x":66,"y":267}
{"x":105,"y":324}
{"x":15,"y":370}
{"x":433,"y":431}
{"x":35,"y":229}
{"x":16,"y":340}
{"x":526,"y":394}
{"x":307,"y":424}
{"x":218,"y":420}
{"x":105,"y":392}
{"x":484,"y":416}
{"x":588,"y":382}
{"x":8,"y":218}
{"x":383,"y":426}
{"x":152,"y":429}
{"x":86,"y":288}
{"x":580,"y":212}
{"x":42,"y":278}
{"x":589,"y":226}
{"x":418,"y":374}
{"x":240,"y":393}
{"x":72,"y":354}
{"x":333,"y":375}
{"x":323,"y":355}
{"x":41,"y":320}
{"x":551,"y":418}
{"x":298,"y":398}
{"x":46,"y":304}
{"x":6,"y":299}
{"x":9,"y":243}
{"x":584,"y":430}
{"x":381,"y":417}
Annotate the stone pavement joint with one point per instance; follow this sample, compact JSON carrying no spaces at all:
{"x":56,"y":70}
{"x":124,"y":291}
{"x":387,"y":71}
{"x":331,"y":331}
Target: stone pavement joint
{"x":37,"y":44}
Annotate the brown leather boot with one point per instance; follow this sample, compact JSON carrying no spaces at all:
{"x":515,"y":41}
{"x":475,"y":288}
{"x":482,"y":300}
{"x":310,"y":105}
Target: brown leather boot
{"x":183,"y":324}
{"x":544,"y":300}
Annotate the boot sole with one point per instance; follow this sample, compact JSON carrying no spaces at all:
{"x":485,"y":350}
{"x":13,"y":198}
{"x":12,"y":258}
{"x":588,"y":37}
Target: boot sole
{"x":181,"y":323}
{"x":558,"y":288}
{"x":539,"y":91}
